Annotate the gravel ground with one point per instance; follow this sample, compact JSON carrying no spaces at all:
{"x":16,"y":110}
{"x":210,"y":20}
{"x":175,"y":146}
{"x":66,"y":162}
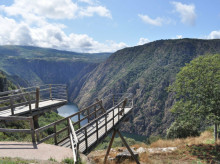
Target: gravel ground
{"x":27,"y":150}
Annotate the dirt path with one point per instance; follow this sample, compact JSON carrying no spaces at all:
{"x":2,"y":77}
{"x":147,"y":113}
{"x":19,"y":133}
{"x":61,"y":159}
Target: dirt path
{"x":27,"y":150}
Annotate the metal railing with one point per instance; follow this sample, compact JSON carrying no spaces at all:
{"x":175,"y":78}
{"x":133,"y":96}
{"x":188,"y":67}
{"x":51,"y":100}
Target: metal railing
{"x":73,"y":141}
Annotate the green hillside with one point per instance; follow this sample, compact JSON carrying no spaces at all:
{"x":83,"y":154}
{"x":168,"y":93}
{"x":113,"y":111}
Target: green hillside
{"x":146,"y":71}
{"x":42,"y":65}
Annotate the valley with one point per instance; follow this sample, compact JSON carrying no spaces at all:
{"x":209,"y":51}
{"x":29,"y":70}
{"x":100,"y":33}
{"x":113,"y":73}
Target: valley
{"x":145,"y":71}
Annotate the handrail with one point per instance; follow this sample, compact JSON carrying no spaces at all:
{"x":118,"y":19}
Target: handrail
{"x":39,"y":130}
{"x":120,"y":106}
{"x":73,"y":141}
{"x":26,"y":96}
{"x":19,"y":118}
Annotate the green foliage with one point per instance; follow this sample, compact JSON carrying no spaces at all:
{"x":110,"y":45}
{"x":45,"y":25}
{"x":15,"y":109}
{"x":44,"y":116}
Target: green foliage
{"x":182,"y":129}
{"x":152,"y":139}
{"x":5,"y":84}
{"x":52,"y":159}
{"x":197,"y":88}
{"x":68,"y":161}
{"x":116,"y":143}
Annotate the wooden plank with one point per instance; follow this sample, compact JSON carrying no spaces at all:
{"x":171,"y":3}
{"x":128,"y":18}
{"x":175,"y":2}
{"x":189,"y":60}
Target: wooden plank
{"x":15,"y":130}
{"x":15,"y":118}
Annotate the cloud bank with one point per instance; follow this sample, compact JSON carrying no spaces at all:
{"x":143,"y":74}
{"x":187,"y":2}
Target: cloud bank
{"x":31,"y":22}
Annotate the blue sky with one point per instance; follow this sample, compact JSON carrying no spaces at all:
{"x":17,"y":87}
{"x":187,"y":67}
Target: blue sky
{"x":105,"y":25}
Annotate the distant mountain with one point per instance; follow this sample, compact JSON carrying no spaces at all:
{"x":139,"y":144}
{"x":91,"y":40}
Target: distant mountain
{"x":28,"y":65}
{"x":146,"y":71}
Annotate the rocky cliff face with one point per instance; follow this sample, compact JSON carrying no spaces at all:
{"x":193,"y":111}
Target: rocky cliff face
{"x":146,"y":71}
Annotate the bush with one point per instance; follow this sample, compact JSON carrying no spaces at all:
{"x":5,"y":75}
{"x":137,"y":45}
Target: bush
{"x":182,"y":129}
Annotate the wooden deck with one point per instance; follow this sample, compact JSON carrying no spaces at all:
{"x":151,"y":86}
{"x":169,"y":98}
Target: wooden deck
{"x":44,"y":105}
{"x":32,"y":100}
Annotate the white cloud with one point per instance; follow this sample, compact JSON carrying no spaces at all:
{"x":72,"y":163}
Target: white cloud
{"x":99,"y":10}
{"x":54,"y":9}
{"x":31,"y":26}
{"x":187,"y":12}
{"x":214,"y":35}
{"x":143,"y":41}
{"x":156,"y":22}
{"x":52,"y":36}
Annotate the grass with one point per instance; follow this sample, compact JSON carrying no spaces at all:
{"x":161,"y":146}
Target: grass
{"x":7,"y":160}
{"x":205,"y":138}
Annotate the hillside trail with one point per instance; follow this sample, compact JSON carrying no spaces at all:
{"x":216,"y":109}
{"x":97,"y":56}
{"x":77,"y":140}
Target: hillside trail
{"x":26,"y":150}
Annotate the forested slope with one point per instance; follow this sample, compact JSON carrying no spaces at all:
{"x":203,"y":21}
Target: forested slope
{"x":146,"y":71}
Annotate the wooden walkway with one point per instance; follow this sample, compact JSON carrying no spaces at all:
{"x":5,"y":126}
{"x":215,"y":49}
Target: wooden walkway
{"x":92,"y":134}
{"x":21,"y":110}
{"x":102,"y":117}
{"x":32,"y":100}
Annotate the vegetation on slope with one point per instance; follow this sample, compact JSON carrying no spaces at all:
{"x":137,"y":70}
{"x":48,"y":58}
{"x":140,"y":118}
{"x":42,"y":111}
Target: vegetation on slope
{"x":42,"y":65}
{"x":5,"y":84}
{"x":197,"y":92}
{"x":146,"y":71}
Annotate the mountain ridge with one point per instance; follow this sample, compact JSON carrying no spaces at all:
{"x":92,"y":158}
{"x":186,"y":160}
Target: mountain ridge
{"x":146,"y":71}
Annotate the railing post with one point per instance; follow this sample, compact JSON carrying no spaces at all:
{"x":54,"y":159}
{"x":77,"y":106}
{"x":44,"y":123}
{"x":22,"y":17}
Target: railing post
{"x":113,"y":117}
{"x":88,"y":114}
{"x":29,"y":102}
{"x":79,"y":120}
{"x":86,"y":140}
{"x":32,"y":129}
{"x":106,"y":123}
{"x":66,"y":92}
{"x":55,"y":132}
{"x":118,"y":114}
{"x":12,"y":105}
{"x":95,"y":112}
{"x":37,"y":97}
{"x":51,"y":92}
{"x":97,"y":134}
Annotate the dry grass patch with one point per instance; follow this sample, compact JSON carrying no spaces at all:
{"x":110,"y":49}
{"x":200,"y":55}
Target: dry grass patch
{"x":202,"y":139}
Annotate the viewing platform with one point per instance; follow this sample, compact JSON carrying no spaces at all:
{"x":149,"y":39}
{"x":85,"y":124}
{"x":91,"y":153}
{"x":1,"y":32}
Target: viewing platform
{"x":33,"y":100}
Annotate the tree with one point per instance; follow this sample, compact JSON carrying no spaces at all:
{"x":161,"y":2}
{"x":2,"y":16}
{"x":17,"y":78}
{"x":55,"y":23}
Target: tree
{"x":197,"y":89}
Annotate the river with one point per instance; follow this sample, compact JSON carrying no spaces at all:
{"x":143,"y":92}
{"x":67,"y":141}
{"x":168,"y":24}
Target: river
{"x":68,"y":110}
